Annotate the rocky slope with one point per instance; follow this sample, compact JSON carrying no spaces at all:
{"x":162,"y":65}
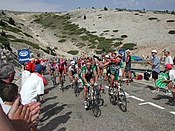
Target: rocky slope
{"x":91,"y":31}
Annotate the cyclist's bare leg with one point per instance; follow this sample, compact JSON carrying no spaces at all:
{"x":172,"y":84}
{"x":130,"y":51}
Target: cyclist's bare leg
{"x":112,"y":79}
{"x":59,"y":77}
{"x":85,"y":93}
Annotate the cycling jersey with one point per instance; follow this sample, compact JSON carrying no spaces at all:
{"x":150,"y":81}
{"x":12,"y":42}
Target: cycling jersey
{"x":73,"y":70}
{"x":61,"y":67}
{"x":88,"y":72}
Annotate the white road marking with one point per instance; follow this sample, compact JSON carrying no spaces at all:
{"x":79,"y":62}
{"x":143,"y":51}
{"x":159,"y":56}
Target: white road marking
{"x":150,"y":103}
{"x":172,"y":112}
{"x":126,"y":94}
{"x":134,"y":97}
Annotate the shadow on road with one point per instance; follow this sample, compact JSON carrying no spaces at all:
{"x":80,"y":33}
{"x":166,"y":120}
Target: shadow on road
{"x":55,"y":122}
{"x":48,"y":107}
{"x":51,"y":112}
{"x":160,"y":97}
{"x":150,"y":87}
{"x":49,"y":98}
{"x":62,"y":129}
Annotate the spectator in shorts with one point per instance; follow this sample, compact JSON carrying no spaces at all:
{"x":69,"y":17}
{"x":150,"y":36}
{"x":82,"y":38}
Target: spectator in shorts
{"x":9,"y":94}
{"x":128,"y":65}
{"x":155,"y":64}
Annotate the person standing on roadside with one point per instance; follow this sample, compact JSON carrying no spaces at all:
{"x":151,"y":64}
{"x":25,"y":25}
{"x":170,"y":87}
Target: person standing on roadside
{"x":128,"y":65}
{"x":155,"y":64}
{"x":168,"y":58}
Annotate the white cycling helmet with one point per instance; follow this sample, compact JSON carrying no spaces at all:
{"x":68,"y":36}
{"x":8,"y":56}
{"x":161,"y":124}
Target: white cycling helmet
{"x":107,"y":56}
{"x":72,"y":62}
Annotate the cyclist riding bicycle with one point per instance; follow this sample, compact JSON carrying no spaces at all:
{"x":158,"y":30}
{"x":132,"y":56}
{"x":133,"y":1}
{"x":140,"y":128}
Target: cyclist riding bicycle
{"x":88,"y":72}
{"x":113,"y":69}
{"x":61,"y":70}
{"x":52,"y":70}
{"x":73,"y":72}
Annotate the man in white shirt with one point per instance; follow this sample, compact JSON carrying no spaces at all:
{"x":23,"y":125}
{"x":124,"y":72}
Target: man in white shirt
{"x":31,"y":89}
{"x":168,"y":58}
{"x":26,"y":73}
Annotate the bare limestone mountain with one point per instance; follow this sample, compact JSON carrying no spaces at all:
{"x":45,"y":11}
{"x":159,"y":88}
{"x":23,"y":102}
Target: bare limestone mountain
{"x":89,"y":31}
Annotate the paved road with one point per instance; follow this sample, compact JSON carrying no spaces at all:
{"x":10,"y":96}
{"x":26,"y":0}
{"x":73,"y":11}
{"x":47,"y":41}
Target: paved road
{"x":146,"y":112}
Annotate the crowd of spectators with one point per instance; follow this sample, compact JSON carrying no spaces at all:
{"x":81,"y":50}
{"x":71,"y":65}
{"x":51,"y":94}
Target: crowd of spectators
{"x":19,"y":109}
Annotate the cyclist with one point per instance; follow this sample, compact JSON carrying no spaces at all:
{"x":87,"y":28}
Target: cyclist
{"x":61,"y":70}
{"x":113,"y":69}
{"x":53,"y":70}
{"x":88,"y":71}
{"x":73,"y":72}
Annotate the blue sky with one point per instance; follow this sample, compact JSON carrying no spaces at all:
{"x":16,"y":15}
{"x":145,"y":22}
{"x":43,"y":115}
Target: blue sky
{"x":64,"y":5}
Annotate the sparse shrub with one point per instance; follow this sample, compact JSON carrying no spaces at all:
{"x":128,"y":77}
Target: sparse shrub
{"x":73,"y":52}
{"x":2,"y":23}
{"x":3,"y":33}
{"x":152,"y":18}
{"x":136,"y":14}
{"x":129,"y":46}
{"x":119,"y":39}
{"x":170,"y":21}
{"x":93,"y":8}
{"x":99,"y":51}
{"x":3,"y":13}
{"x":28,"y":35}
{"x":106,"y":31}
{"x":94,"y":32}
{"x":3,"y":39}
{"x":11,"y":21}
{"x":99,"y":17}
{"x":84,"y":17}
{"x":117,"y":44}
{"x":171,"y":32}
{"x":11,"y":36}
{"x":115,"y":30}
{"x":124,"y":36}
{"x":172,"y":12}
{"x":92,"y":47}
{"x":62,"y":40}
{"x":105,"y":8}
{"x":84,"y":37}
{"x":63,"y":36}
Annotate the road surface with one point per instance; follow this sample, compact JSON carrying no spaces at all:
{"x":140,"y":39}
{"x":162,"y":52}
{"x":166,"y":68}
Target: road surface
{"x":62,"y":111}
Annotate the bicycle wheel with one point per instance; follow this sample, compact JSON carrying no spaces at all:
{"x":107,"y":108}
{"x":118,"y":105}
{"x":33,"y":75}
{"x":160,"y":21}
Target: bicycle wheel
{"x":62,"y":84}
{"x":95,"y":108}
{"x":122,"y":102}
{"x":76,"y":88}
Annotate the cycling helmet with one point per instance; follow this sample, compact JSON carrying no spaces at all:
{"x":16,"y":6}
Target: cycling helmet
{"x":72,"y":62}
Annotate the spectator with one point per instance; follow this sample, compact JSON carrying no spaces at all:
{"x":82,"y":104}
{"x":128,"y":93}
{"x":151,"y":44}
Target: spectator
{"x":9,"y":93}
{"x":26,"y":73}
{"x":38,"y":67}
{"x":32,"y":89}
{"x":18,"y":111}
{"x":155,"y":64}
{"x":128,"y":65}
{"x":168,"y":58}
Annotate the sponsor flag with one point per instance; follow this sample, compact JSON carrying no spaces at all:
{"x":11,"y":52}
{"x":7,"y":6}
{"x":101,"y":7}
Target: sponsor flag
{"x":23,"y":55}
